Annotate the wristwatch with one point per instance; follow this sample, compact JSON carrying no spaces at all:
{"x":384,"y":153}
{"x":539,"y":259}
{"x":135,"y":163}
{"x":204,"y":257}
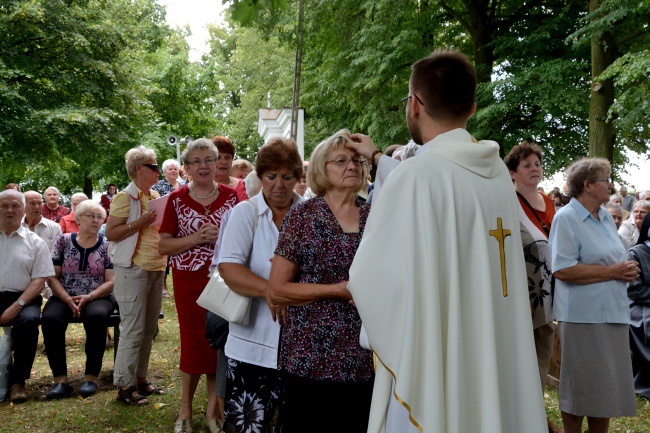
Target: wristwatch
{"x":21,"y":302}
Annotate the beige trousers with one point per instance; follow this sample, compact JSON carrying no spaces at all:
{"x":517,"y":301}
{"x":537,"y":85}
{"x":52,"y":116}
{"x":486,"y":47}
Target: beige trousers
{"x":139,"y":297}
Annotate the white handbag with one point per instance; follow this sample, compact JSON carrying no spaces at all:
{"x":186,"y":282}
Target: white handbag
{"x":218,"y":298}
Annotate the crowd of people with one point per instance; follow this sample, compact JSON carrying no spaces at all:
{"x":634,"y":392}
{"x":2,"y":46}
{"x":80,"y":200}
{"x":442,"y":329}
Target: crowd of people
{"x":428,"y":300}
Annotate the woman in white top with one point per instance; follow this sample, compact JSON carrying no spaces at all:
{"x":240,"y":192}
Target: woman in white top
{"x":244,"y":263}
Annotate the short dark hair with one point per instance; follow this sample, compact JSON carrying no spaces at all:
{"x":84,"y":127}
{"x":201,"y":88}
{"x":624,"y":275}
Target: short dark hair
{"x":224,"y":145}
{"x":446,"y":83}
{"x":520,"y":152}
{"x":278,"y":153}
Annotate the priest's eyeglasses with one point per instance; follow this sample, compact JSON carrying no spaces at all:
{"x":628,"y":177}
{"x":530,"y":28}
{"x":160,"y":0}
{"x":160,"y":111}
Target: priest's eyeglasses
{"x":405,"y":100}
{"x":343,"y":161}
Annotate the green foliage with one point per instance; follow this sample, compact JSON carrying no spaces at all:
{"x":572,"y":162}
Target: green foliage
{"x":246,"y":11}
{"x":242,"y":70}
{"x":74,"y":87}
{"x":627,"y":22}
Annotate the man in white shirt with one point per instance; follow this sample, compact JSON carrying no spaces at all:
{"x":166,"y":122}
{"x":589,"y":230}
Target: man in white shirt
{"x":449,"y":319}
{"x":25,"y":263}
{"x":47,"y":229}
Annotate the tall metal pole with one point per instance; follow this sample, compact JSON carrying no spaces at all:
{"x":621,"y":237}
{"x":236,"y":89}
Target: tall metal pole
{"x":296,"y":76}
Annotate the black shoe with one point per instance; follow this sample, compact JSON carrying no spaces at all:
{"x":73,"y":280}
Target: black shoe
{"x":87,"y":389}
{"x":59,"y":391}
{"x":161,"y":315}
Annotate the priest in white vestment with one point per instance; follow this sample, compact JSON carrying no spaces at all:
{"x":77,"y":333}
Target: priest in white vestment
{"x":444,"y":299}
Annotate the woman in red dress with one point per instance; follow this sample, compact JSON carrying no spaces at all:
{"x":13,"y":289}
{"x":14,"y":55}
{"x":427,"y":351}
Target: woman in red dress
{"x":188,"y":233}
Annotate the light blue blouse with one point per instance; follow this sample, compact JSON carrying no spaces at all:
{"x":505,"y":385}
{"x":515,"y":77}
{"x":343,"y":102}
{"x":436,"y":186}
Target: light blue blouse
{"x":576,"y":237}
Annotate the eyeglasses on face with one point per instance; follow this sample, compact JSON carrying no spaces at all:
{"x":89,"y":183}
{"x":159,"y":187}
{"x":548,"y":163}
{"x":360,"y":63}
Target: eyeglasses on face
{"x":604,"y":179}
{"x":405,"y":100}
{"x":152,"y":167}
{"x":343,"y":161}
{"x":197,"y":162}
{"x":91,"y":216}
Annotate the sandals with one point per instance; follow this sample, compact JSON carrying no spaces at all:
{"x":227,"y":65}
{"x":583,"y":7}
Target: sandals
{"x":213,"y":425}
{"x":183,"y":425}
{"x":126,"y":396}
{"x":143,"y":388}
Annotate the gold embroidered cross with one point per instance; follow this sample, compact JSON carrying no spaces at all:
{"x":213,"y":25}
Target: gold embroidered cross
{"x":500,"y":234}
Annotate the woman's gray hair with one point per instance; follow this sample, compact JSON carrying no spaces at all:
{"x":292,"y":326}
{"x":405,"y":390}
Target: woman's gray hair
{"x":137,"y":156}
{"x":317,"y":175}
{"x":169,"y":162}
{"x":87,"y":206}
{"x":585,"y":169}
{"x":643,"y":204}
{"x":252,"y":183}
{"x":79,"y":194}
{"x":198,"y":144}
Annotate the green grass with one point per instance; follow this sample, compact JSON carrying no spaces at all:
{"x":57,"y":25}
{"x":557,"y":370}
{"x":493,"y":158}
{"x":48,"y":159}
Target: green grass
{"x":102,"y":413}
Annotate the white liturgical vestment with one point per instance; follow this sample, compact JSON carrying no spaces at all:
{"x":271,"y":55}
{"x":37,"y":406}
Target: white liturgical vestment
{"x":444,"y":298}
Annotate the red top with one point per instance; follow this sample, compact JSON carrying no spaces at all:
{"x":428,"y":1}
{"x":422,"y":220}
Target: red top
{"x":546,"y":216}
{"x":240,"y":190}
{"x":68,"y":224}
{"x":184,"y":216}
{"x":56,"y":214}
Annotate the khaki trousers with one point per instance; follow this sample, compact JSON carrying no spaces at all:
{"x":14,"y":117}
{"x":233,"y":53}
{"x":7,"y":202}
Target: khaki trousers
{"x":139,"y":296}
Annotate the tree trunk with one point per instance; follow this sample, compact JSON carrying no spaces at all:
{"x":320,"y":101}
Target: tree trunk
{"x":88,"y":186}
{"x":601,"y":131}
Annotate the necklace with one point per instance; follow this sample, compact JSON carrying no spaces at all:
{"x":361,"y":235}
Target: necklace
{"x":214,"y":190}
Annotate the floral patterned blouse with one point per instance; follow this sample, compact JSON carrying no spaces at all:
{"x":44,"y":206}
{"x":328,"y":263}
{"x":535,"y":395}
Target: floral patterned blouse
{"x":82,"y":269}
{"x":321,"y":340}
{"x":184,"y":216}
{"x":164,"y":187}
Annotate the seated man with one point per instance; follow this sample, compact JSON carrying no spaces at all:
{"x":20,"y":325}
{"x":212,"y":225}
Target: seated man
{"x":25,"y":263}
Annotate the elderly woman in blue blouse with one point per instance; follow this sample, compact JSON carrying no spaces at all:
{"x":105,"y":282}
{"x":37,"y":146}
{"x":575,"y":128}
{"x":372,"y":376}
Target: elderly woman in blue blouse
{"x":592,"y":271}
{"x":320,"y":356}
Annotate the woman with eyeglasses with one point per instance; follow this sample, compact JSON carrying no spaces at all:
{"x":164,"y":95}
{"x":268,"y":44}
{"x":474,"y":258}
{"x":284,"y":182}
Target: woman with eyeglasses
{"x":139,"y":274}
{"x":630,"y":228}
{"x":320,"y":356}
{"x":82,"y":288}
{"x":188,"y":233}
{"x":592,"y":271}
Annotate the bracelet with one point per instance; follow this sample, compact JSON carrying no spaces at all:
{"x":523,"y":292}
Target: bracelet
{"x":372,"y":157}
{"x":130,"y":229}
{"x":91,"y":296}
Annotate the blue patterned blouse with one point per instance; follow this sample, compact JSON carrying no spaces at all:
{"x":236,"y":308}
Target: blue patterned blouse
{"x":321,"y":340}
